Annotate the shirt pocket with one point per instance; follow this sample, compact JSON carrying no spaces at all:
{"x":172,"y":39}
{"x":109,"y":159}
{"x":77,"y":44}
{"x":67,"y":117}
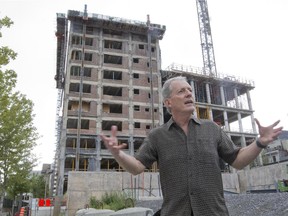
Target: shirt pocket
{"x":207,"y":151}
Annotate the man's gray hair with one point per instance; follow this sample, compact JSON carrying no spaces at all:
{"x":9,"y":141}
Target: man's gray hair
{"x":166,"y":89}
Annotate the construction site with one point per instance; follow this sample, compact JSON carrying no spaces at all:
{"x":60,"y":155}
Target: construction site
{"x":109,"y":73}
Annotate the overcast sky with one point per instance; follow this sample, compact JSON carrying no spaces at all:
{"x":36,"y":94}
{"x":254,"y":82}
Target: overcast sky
{"x":250,"y":39}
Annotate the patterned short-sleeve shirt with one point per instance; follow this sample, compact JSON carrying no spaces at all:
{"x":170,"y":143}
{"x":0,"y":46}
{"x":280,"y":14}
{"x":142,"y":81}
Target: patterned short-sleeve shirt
{"x":189,"y":166}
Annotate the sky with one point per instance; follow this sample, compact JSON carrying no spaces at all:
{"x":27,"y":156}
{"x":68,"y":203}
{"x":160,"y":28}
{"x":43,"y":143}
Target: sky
{"x":250,"y":39}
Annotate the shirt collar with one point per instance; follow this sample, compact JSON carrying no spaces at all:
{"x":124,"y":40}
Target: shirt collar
{"x":171,"y":121}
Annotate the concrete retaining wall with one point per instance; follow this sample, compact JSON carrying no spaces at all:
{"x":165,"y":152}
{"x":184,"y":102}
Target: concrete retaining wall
{"x":83,"y":185}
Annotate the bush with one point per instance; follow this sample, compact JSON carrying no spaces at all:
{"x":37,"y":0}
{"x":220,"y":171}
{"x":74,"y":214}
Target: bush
{"x":114,"y":201}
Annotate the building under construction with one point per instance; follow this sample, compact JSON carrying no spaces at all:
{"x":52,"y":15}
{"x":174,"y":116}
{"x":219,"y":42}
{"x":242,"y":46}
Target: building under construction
{"x":109,"y":73}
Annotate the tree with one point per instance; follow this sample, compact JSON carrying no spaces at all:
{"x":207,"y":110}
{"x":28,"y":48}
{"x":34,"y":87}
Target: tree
{"x":38,"y":185}
{"x":18,"y":135}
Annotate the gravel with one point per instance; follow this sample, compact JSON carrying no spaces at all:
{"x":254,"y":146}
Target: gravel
{"x":260,"y":204}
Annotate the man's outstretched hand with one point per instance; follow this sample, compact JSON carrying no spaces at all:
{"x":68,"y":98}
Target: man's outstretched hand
{"x":270,"y":133}
{"x":111,"y":143}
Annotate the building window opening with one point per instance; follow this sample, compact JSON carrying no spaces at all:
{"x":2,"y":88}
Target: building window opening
{"x":136,"y":108}
{"x":136,"y":91}
{"x":76,"y":55}
{"x":137,"y":125}
{"x":84,"y":124}
{"x":113,"y":75}
{"x":71,"y":143}
{"x":106,"y":125}
{"x":141,"y":46}
{"x":108,"y":44}
{"x":111,"y":59}
{"x":135,"y":75}
{"x":89,"y":30}
{"x":75,"y":87}
{"x":113,"y":91}
{"x":88,"y":57}
{"x":89,"y":41}
{"x":112,"y":108}
{"x":76,"y":40}
{"x":87,"y":71}
{"x":112,"y":32}
{"x":135,"y":60}
{"x":76,"y":71}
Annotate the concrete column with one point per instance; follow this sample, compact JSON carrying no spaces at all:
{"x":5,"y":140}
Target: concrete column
{"x":131,"y":95}
{"x":208,"y":93}
{"x":259,"y":158}
{"x":226,"y":122}
{"x":251,"y":109}
{"x":131,"y":145}
{"x":98,"y":153}
{"x":209,"y":100}
{"x":222,"y":96}
{"x":236,"y":98}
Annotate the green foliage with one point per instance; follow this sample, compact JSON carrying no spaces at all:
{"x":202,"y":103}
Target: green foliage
{"x":114,"y":201}
{"x":7,"y":22}
{"x":18,"y":135}
{"x":37,"y":186}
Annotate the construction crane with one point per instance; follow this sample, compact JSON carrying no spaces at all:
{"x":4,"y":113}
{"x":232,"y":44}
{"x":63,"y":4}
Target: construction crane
{"x":209,"y":65}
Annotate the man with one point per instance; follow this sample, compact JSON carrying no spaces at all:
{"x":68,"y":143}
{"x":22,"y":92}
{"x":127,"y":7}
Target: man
{"x":187,"y":151}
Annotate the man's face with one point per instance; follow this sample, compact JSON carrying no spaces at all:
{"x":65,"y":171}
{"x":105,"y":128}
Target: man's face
{"x":181,"y":99}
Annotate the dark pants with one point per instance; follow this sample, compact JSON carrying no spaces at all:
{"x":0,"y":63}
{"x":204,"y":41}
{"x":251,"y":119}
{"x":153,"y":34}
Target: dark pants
{"x":158,"y":213}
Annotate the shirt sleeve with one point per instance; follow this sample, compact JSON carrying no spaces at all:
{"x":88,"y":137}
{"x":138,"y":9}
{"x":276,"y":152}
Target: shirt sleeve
{"x":147,"y":153}
{"x":227,"y":150}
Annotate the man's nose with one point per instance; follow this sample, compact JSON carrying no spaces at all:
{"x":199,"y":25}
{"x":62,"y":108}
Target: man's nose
{"x":188,"y":93}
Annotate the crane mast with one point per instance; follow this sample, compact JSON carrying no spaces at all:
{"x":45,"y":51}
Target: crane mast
{"x":209,"y":65}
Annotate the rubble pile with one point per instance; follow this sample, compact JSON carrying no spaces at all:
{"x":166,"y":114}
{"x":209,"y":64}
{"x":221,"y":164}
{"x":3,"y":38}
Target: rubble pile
{"x":264,"y":204}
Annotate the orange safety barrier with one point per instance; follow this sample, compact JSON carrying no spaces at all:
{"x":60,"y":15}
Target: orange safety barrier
{"x":47,"y":202}
{"x":22,"y":211}
{"x":41,"y":202}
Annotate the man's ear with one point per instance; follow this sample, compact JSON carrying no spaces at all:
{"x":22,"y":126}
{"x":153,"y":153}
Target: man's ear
{"x":167,"y":103}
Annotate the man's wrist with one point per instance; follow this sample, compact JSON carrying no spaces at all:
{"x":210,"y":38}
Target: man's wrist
{"x":259,"y":144}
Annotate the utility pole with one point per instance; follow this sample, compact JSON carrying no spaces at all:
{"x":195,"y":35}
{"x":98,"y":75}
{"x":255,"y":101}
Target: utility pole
{"x":150,"y":29}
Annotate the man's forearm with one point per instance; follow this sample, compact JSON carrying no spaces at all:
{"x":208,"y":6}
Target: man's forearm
{"x":129,"y":163}
{"x":246,"y":155}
